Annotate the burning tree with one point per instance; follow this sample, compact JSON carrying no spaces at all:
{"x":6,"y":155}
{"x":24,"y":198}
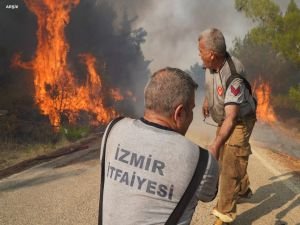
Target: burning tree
{"x":270,"y":50}
{"x":56,"y":89}
{"x":71,"y":66}
{"x":265,"y":111}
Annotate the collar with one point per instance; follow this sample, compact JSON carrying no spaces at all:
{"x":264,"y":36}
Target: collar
{"x":155,"y":124}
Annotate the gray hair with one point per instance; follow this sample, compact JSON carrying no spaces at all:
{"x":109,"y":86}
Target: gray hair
{"x":167,"y":88}
{"x":214,"y":40}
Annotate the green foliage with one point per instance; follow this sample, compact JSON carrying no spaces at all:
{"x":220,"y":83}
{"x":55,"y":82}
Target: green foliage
{"x":294,"y":95}
{"x":288,"y":40}
{"x":286,"y":106}
{"x":283,"y":101}
{"x":271,"y":50}
{"x":281,"y":31}
{"x":73,"y":133}
{"x":261,"y":11}
{"x":262,"y":61}
{"x":292,"y":7}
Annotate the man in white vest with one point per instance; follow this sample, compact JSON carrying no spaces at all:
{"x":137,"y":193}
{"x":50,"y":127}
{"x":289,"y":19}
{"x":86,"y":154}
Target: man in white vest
{"x":149,"y":163}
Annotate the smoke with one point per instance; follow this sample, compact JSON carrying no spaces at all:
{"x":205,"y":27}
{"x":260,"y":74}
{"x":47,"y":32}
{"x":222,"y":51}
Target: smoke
{"x":17,"y":33}
{"x":110,"y":30}
{"x":104,"y":29}
{"x":173,"y":28}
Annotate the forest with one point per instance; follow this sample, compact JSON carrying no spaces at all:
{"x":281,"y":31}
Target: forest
{"x":90,"y":80}
{"x":271,"y":51}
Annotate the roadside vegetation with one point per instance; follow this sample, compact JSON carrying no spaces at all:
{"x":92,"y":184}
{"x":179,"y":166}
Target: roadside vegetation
{"x":270,"y":52}
{"x":24,"y":131}
{"x":21,"y":140}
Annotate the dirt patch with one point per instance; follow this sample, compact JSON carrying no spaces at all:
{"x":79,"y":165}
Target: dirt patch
{"x":281,"y":159}
{"x":284,"y":163}
{"x":285,"y":160}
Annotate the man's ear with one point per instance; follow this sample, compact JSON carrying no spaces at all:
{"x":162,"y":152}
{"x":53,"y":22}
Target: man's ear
{"x":212,"y":55}
{"x":179,"y":114}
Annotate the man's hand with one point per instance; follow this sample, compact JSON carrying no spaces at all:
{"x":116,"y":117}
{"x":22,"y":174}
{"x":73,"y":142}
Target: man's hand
{"x":214,"y":151}
{"x":231,"y":113}
{"x":205,"y":108}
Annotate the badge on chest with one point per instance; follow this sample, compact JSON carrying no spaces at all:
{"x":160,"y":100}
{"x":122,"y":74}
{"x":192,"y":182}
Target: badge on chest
{"x":220,"y":90}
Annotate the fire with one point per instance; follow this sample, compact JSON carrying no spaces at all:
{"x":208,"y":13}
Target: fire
{"x":116,"y":94}
{"x":56,"y":90}
{"x":265,"y":111}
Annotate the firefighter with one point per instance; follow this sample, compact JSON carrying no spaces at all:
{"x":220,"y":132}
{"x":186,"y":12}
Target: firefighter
{"x":148,"y":164}
{"x":229,"y":101}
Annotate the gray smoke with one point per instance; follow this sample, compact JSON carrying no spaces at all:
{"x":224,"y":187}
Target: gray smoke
{"x":17,"y":33}
{"x":173,"y":28}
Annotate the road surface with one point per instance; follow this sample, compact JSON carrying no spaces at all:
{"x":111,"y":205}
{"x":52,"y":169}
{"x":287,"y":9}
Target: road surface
{"x":65,"y":191}
{"x":275,"y":180}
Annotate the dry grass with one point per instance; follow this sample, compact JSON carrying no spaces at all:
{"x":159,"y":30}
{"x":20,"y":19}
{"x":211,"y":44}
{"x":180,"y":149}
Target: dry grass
{"x":12,"y":153}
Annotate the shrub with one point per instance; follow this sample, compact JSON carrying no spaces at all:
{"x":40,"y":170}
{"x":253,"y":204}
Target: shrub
{"x":73,"y":133}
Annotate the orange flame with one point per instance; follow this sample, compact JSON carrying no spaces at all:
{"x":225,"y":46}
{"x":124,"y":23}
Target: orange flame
{"x":56,"y":91}
{"x":116,"y":94}
{"x":265,"y":111}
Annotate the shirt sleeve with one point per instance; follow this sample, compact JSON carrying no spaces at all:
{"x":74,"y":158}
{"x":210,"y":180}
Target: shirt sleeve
{"x":209,"y":184}
{"x":235,"y":93}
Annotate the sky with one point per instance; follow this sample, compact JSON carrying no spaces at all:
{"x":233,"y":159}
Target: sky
{"x":173,"y":27}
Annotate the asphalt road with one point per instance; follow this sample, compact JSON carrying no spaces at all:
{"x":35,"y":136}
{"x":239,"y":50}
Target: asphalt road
{"x":62,"y":191}
{"x":275,"y":180}
{"x":65,"y":191}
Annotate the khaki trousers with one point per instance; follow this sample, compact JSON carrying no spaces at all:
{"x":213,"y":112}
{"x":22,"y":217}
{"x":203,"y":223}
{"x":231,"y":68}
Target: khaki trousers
{"x":233,"y":164}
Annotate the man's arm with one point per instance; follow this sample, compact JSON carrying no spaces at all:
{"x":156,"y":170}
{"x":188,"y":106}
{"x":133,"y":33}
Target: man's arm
{"x":209,"y":183}
{"x":205,"y":108}
{"x":231,"y":113}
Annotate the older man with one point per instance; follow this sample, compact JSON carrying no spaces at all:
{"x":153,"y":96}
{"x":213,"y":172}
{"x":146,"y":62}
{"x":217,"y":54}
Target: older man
{"x":230,"y":103}
{"x":149,"y":163}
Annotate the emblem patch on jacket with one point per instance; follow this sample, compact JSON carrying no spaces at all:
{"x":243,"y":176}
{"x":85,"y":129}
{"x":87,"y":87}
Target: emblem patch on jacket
{"x":220,"y":90}
{"x":235,"y":91}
